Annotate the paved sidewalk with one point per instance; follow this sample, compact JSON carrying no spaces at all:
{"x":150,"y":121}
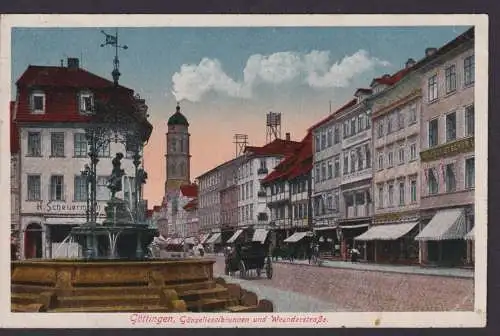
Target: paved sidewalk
{"x":361,"y":266}
{"x":284,"y":301}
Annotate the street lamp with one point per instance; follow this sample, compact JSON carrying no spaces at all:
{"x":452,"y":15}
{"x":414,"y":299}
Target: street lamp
{"x":86,"y":173}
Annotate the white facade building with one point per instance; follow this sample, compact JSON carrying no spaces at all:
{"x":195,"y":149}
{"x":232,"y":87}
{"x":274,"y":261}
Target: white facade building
{"x":252,"y":206}
{"x":53,"y":190}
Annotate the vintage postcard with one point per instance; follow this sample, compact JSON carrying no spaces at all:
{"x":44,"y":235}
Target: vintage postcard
{"x":228,"y":171}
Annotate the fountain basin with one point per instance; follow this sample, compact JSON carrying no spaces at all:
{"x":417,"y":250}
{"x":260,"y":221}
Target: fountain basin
{"x":122,"y":286}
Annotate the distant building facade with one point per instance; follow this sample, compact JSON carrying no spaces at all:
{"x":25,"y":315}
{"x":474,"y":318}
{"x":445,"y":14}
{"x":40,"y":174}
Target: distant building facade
{"x":259,"y":162}
{"x":288,"y":193}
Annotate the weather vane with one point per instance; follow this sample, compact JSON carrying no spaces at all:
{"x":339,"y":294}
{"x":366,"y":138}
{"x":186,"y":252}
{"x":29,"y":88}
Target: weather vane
{"x":112,"y":40}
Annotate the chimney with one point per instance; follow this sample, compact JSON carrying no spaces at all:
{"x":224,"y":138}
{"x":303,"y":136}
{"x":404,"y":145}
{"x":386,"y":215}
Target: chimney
{"x":73,"y":63}
{"x":409,"y":63}
{"x":287,"y":136}
{"x":430,"y":51}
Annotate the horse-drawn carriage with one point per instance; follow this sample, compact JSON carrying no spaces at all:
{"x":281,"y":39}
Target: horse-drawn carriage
{"x":246,"y":256}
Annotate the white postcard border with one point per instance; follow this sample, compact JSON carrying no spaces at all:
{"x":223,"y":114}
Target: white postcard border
{"x":477,"y":318}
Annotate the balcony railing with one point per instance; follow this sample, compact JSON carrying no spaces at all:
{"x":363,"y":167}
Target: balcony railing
{"x":262,"y":171}
{"x":261,"y":193}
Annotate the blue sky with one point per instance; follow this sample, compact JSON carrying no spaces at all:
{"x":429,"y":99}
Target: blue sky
{"x":229,"y":78}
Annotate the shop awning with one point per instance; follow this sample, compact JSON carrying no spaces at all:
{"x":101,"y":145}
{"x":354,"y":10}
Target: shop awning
{"x":234,"y":237}
{"x":204,"y":238}
{"x":260,"y":235}
{"x":354,"y":226}
{"x":324,"y":228}
{"x":470,"y":235}
{"x":387,"y":231}
{"x":214,"y":239}
{"x":297,"y":236}
{"x":445,"y":225}
{"x":190,"y":240}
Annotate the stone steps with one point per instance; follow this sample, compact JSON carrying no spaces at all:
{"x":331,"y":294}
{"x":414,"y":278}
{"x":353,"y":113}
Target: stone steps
{"x":24,"y":298}
{"x":27,"y":308}
{"x":105,"y":300}
{"x":209,"y":305}
{"x":113,"y":309}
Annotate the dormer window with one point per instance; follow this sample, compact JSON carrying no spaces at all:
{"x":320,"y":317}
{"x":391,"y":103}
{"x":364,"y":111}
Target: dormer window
{"x":86,"y":102}
{"x":38,"y":102}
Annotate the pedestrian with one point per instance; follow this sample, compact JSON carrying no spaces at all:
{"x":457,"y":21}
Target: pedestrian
{"x":309,"y":253}
{"x":354,"y":254}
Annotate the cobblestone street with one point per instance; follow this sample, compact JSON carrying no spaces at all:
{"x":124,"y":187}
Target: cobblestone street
{"x":357,"y":290}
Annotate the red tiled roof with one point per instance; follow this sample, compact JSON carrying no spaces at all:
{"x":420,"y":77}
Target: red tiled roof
{"x":55,"y":76}
{"x":351,"y":103}
{"x":14,"y":131}
{"x":191,"y":205}
{"x":391,"y":79}
{"x":157,"y":208}
{"x":189,"y":190}
{"x":276,"y":147}
{"x":300,"y":162}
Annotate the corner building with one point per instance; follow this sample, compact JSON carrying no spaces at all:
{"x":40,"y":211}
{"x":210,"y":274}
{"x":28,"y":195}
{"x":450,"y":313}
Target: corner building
{"x":51,"y":113}
{"x":447,"y":153}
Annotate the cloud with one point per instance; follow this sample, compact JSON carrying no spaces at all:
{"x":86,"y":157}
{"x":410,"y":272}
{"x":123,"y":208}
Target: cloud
{"x":315,"y":69}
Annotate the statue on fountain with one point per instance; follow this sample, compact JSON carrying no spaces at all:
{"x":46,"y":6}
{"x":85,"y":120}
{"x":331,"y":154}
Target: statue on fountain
{"x":115,"y":181}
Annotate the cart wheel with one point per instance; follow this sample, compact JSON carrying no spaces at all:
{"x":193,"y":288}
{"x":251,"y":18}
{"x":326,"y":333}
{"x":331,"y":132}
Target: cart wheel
{"x":259,"y":271}
{"x":243,"y":269}
{"x":269,"y":269}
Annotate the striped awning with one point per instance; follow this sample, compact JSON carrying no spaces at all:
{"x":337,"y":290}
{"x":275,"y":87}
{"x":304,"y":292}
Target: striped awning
{"x":445,"y":225}
{"x":324,"y":228}
{"x":234,"y":237}
{"x":387,"y":231}
{"x":204,"y":238}
{"x":214,"y":239}
{"x":260,"y":235}
{"x":297,"y":236}
{"x":470,"y":235}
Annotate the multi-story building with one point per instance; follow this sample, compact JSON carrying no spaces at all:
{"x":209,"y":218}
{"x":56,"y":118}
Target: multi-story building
{"x":178,"y":219}
{"x":209,"y":202}
{"x":229,"y":194}
{"x":447,"y":151}
{"x":288,"y":193}
{"x":396,"y":109}
{"x":192,"y":221}
{"x":356,"y":207}
{"x":51,"y":113}
{"x":14,"y":185}
{"x":259,"y":161}
{"x":327,"y":135}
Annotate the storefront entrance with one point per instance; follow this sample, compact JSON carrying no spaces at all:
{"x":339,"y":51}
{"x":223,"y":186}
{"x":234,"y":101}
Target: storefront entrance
{"x":33,"y":241}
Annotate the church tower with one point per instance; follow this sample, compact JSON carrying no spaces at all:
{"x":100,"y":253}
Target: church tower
{"x":178,"y":157}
